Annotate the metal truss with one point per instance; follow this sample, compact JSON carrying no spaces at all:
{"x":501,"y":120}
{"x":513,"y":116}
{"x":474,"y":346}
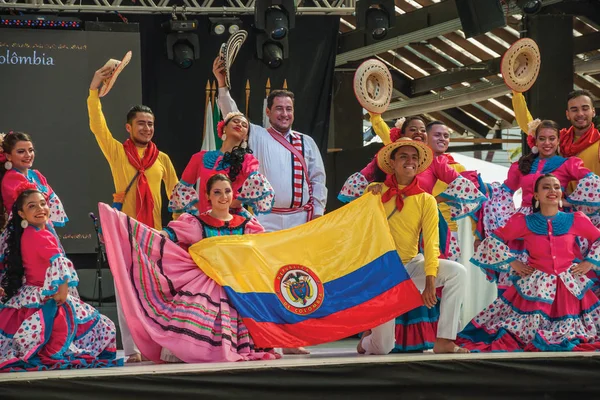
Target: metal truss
{"x":190,"y":7}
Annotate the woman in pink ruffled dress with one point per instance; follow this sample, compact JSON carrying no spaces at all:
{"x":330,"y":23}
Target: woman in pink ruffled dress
{"x":550,"y":305}
{"x":235,"y":160}
{"x":17,"y":158}
{"x":543,"y":139}
{"x":43,"y":322}
{"x":181,"y":314}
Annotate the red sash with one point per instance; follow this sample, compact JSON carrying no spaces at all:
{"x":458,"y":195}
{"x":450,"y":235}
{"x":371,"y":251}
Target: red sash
{"x":308,"y":207}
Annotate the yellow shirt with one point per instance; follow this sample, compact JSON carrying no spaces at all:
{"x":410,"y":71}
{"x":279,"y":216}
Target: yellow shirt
{"x":522,"y":114}
{"x":380,"y":128}
{"x":419,"y":215}
{"x":122,"y":171}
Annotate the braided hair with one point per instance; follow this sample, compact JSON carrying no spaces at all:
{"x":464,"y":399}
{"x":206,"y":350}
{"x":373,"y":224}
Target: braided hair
{"x":235,"y":157}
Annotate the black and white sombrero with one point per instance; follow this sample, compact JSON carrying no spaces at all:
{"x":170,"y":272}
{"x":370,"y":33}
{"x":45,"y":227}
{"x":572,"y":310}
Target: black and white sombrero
{"x":229,"y":51}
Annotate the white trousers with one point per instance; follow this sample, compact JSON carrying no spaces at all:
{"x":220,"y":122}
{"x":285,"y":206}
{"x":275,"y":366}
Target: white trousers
{"x":273,"y":222}
{"x":128,"y":344}
{"x":452,"y":276}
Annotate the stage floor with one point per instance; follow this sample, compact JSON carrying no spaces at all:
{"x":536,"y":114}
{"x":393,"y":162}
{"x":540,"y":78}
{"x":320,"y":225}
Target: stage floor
{"x":333,"y":370}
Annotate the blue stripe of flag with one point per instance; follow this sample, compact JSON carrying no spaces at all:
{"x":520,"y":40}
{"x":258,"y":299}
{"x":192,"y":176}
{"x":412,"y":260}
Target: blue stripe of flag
{"x":363,"y":284}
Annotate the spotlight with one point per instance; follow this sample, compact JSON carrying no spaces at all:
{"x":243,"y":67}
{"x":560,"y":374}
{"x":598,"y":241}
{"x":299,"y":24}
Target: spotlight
{"x":273,"y":19}
{"x":377,"y":23}
{"x":277,"y":24}
{"x":225,"y":24}
{"x":272,"y":55}
{"x":219,"y":29}
{"x":530,"y":6}
{"x":375,"y":18}
{"x":183,"y":46}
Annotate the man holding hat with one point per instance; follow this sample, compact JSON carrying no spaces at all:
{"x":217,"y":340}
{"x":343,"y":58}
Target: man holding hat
{"x":412,"y":212}
{"x":137,"y":167}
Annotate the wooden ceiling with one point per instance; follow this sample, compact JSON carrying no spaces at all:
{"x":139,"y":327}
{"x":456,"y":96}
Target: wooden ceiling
{"x":452,"y":51}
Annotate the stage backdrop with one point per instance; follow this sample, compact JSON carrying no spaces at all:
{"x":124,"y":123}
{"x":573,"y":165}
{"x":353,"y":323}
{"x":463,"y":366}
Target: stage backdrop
{"x":178,"y":96}
{"x":45,"y":76}
{"x":49,"y":100}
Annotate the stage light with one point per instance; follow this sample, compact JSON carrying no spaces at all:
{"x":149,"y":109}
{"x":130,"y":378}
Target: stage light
{"x":40,"y":21}
{"x":183,"y":46}
{"x":274,"y":19}
{"x":530,"y":6}
{"x":377,"y":23}
{"x":375,"y":18}
{"x":219,"y":29}
{"x":220,"y":25}
{"x":272,"y":55}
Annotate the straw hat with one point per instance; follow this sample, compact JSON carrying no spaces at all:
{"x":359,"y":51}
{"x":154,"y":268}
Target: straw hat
{"x":520,"y":65}
{"x":117,"y":66}
{"x":373,"y":86}
{"x":384,"y":155}
{"x":229,"y":51}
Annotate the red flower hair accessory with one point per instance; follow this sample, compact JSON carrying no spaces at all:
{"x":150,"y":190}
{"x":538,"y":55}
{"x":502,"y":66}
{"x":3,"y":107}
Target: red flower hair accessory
{"x":228,"y":117}
{"x":220,"y":127}
{"x":532,"y":127}
{"x":396,"y":131}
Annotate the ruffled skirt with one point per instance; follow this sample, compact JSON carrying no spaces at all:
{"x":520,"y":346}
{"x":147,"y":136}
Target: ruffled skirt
{"x":168,"y":301}
{"x":47,"y":337}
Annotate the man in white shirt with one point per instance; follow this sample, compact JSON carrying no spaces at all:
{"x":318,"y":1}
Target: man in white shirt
{"x":290,"y":160}
{"x":299,"y":182}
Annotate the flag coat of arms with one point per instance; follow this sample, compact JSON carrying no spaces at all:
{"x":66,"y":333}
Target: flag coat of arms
{"x":321,"y":281}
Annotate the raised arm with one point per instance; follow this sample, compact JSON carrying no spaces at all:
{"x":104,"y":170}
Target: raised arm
{"x":226,"y":103}
{"x":108,"y":144}
{"x":380,"y":128}
{"x":522,"y":114}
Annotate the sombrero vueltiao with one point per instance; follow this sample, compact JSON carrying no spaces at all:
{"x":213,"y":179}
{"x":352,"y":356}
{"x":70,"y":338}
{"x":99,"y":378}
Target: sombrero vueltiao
{"x":229,"y":51}
{"x":520,"y":65}
{"x":117,"y":66}
{"x":373,"y":86}
{"x":425,"y":155}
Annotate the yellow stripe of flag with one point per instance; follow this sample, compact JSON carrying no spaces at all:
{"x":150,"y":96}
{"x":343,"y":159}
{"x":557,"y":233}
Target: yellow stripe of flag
{"x":332,"y":246}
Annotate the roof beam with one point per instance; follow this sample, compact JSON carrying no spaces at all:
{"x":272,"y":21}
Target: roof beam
{"x":485,"y":69}
{"x":456,"y":75}
{"x":448,"y":99}
{"x":468,"y":122}
{"x":418,"y":25}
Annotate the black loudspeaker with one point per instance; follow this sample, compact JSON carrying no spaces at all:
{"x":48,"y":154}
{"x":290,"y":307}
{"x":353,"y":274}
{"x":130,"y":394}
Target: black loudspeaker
{"x":480,"y":16}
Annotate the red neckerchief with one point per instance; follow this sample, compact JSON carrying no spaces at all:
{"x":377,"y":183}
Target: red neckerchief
{"x":144,"y":203}
{"x":408,"y":190}
{"x":569,"y":148}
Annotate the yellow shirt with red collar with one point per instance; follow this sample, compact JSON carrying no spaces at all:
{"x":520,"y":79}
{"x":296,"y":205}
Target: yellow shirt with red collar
{"x":419,"y":215}
{"x":122,"y":171}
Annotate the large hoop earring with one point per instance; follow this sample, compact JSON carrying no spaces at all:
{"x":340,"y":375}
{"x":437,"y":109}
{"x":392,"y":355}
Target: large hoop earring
{"x":224,"y":137}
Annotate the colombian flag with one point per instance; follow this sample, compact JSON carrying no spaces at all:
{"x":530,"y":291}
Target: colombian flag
{"x":322,"y":281}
